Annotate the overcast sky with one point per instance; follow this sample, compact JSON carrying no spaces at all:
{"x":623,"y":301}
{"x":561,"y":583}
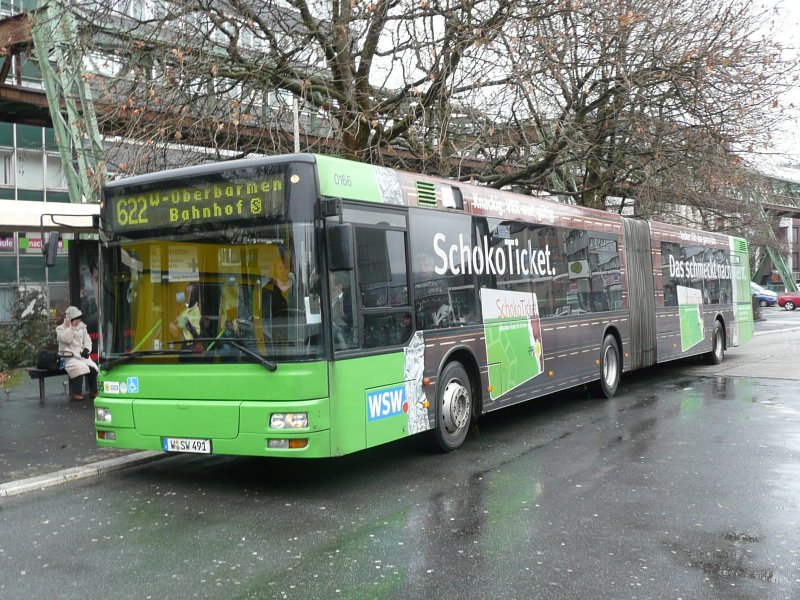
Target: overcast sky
{"x":788,"y":33}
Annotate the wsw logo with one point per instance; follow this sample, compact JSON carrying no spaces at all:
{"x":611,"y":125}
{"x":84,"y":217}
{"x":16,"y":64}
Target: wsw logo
{"x":386,"y":402}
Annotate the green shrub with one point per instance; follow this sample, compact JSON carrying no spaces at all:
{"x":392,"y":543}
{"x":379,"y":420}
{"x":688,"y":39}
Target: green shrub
{"x":29,"y":332}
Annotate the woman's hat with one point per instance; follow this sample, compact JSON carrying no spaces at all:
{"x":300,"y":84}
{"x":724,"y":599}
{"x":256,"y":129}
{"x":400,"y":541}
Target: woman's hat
{"x":73,"y":312}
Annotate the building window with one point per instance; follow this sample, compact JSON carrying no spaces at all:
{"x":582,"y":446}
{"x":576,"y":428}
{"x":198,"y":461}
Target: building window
{"x":59,"y":298}
{"x":55,"y":174}
{"x":7,"y":295}
{"x":59,"y":271}
{"x":31,"y":269}
{"x":6,"y":167}
{"x":30,"y":170}
{"x":8,"y":269}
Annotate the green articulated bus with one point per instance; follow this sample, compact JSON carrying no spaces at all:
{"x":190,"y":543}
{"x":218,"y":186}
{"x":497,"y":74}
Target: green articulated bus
{"x":309,"y":306}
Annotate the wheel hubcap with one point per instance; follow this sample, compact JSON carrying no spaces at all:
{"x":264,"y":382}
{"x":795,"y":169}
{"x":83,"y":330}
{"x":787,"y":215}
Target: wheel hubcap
{"x":455,"y":406}
{"x":610,"y":366}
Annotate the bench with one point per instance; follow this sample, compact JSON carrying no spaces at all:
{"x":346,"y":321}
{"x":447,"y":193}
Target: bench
{"x":41,"y":375}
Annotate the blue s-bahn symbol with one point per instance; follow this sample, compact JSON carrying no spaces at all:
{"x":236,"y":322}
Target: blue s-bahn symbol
{"x":386,"y":402}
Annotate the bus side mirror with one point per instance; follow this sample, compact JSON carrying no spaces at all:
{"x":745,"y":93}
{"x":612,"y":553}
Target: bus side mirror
{"x":50,"y":249}
{"x":340,"y":247}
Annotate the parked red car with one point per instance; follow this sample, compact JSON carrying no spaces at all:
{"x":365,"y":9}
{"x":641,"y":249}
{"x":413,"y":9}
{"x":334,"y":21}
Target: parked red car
{"x":789,"y":301}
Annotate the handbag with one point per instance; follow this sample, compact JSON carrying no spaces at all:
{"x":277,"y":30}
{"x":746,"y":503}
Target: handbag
{"x":49,"y":360}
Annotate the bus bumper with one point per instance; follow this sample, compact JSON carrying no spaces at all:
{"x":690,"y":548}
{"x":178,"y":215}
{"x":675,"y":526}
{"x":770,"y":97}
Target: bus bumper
{"x":223,"y":427}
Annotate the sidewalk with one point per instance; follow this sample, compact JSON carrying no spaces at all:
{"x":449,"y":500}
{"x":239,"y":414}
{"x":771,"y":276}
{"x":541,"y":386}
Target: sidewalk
{"x":46,"y":444}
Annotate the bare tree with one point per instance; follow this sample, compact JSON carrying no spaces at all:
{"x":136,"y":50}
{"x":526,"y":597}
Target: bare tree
{"x":374,"y":80}
{"x":651,"y":101}
{"x":619,"y":95}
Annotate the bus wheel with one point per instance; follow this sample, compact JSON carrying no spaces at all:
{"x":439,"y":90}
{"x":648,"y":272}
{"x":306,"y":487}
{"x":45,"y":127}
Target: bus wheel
{"x":717,"y":346}
{"x":610,"y":368}
{"x":453,"y":407}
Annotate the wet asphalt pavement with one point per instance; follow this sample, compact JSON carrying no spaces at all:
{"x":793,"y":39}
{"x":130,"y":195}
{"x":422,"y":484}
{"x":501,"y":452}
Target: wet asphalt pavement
{"x":686,"y":485}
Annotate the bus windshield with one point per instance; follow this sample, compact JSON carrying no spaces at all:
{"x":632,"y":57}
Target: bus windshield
{"x":210,"y":289}
{"x":250,"y":285}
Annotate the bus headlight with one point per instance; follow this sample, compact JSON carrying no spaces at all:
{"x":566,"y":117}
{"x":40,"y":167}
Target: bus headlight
{"x":103,"y":414}
{"x":288,"y":421}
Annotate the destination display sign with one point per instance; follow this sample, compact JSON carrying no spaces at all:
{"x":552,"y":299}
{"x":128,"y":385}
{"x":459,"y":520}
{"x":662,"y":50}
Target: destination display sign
{"x":195,"y":204}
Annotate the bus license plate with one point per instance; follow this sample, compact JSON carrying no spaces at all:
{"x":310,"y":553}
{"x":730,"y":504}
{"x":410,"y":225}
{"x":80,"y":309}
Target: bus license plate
{"x":186,"y":445}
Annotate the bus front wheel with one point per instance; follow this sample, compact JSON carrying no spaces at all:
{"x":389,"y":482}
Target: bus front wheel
{"x":453,"y":407}
{"x":610,"y":368}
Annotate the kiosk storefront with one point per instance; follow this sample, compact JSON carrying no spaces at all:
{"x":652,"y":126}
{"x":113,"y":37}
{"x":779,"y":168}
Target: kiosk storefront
{"x":24,"y":228}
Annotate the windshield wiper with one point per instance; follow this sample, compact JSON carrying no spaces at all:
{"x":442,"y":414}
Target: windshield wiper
{"x":266,"y":363}
{"x":269,"y":365}
{"x":111,"y":363}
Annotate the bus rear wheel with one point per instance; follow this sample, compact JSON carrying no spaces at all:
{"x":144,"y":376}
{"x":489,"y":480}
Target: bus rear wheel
{"x":610,"y":369}
{"x":717,"y":346}
{"x":453,"y":407}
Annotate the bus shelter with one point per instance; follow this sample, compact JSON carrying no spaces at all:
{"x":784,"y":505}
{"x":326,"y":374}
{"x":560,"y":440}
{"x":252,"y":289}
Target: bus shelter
{"x":25,"y":227}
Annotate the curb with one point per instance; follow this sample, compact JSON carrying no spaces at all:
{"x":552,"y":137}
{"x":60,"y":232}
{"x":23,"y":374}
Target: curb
{"x":777,"y":331}
{"x":40,"y":482}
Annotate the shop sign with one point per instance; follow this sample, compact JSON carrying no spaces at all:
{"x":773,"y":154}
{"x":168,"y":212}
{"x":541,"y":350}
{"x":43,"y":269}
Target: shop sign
{"x":34,"y":244}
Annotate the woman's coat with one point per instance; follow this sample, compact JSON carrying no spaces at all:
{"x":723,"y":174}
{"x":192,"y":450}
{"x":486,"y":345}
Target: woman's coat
{"x":74,"y":340}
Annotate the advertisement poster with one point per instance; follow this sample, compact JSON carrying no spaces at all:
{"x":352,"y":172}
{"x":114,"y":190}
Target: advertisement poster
{"x":513,"y":337}
{"x":183,"y":264}
{"x":690,"y":309}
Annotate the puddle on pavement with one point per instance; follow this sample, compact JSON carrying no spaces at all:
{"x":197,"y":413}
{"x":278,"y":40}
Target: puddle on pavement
{"x":735,"y":557}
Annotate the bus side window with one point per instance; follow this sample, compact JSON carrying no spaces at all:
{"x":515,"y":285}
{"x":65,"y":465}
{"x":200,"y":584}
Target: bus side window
{"x":606,"y":280}
{"x":382,"y":275}
{"x":445,"y":294}
{"x":381,"y":264}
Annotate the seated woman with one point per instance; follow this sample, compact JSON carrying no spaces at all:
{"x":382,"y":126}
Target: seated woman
{"x":73,"y":339}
